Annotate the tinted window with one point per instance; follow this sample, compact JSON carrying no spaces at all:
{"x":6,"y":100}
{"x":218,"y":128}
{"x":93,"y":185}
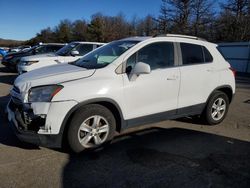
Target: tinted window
{"x":53,"y":48}
{"x":207,"y":56}
{"x":84,"y":48}
{"x":41,"y":49}
{"x":65,"y":51}
{"x":157,"y":55}
{"x":191,"y":53}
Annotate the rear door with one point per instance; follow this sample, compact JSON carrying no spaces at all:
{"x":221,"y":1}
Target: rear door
{"x":198,"y":75}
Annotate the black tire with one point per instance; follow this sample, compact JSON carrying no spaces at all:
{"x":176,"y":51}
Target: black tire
{"x":83,"y":114}
{"x":208,"y":111}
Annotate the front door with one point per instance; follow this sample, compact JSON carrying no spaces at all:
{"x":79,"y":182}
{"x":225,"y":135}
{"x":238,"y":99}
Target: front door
{"x":154,"y":93}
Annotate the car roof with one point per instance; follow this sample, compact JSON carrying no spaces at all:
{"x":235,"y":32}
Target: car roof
{"x":136,"y":38}
{"x":59,"y":44}
{"x":83,"y":42}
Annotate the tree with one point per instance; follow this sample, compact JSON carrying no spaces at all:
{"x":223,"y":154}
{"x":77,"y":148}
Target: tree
{"x":95,"y":28}
{"x":63,"y":31}
{"x":233,"y":23}
{"x":175,"y":16}
{"x":46,"y":35}
{"x":163,"y":19}
{"x":202,"y":17}
{"x":79,"y":30}
{"x":147,"y":26}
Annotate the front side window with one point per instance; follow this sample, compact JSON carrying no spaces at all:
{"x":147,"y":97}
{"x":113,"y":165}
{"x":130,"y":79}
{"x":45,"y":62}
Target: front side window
{"x":53,"y":48}
{"x":84,"y":49}
{"x":105,"y":55}
{"x":40,"y":49}
{"x":195,"y":54}
{"x":158,"y":55}
{"x":65,"y":51}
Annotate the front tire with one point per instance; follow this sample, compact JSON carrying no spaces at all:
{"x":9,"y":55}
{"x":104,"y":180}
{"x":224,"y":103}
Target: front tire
{"x":216,"y":108}
{"x":91,"y":126}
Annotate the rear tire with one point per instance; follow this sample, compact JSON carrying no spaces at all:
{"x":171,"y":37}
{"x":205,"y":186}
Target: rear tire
{"x":91,"y":126}
{"x":216,"y":108}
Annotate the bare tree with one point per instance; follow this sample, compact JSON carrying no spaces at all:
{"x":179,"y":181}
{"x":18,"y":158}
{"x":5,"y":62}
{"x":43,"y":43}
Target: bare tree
{"x":202,"y":16}
{"x":163,"y":19}
{"x":233,"y":23}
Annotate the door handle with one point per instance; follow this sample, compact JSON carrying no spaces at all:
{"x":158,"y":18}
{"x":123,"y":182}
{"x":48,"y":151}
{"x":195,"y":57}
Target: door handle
{"x":172,"y":78}
{"x":210,"y":70}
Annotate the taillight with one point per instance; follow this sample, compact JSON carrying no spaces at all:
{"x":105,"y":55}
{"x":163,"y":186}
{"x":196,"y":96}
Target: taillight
{"x":233,"y":70}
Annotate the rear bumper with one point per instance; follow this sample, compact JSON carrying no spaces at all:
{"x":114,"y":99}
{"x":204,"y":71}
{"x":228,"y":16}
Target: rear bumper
{"x":46,"y":140}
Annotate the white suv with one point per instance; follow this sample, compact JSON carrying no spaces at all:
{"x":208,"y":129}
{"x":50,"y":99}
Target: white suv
{"x":130,"y":82}
{"x":68,"y":53}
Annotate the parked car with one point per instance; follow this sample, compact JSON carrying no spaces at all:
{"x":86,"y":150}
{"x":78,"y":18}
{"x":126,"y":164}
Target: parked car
{"x":20,"y":48}
{"x":130,"y":82}
{"x":2,"y":52}
{"x":12,"y":59}
{"x":69,"y":53}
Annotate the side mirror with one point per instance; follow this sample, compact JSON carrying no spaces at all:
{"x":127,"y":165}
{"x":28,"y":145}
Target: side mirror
{"x":140,"y":68}
{"x":34,"y":52}
{"x":74,"y":53}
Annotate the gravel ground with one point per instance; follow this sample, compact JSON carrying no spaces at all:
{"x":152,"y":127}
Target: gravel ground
{"x":181,"y":153}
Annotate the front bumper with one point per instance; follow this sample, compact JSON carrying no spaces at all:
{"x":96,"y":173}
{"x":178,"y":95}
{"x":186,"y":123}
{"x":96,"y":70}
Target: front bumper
{"x":22,"y":69}
{"x":41,"y":131}
{"x":9,"y":64}
{"x":53,"y":141}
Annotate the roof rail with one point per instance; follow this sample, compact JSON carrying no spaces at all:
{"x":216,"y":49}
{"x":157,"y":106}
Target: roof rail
{"x":181,"y":36}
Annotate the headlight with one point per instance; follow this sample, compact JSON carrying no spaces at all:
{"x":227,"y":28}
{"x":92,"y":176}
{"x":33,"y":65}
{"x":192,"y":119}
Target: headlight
{"x":43,"y":93}
{"x":8,"y":57}
{"x":28,"y":62}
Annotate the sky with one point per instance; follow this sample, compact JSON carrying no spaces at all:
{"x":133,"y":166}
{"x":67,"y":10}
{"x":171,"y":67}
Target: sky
{"x":22,"y":19}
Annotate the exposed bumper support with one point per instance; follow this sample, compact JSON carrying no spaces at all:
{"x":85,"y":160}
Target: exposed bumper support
{"x":48,"y":137}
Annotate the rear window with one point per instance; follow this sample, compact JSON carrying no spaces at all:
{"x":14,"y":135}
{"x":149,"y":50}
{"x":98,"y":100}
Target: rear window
{"x":195,"y":54}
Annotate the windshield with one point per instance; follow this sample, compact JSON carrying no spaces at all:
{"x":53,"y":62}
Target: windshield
{"x":105,"y":55}
{"x":66,"y":49}
{"x":32,"y":48}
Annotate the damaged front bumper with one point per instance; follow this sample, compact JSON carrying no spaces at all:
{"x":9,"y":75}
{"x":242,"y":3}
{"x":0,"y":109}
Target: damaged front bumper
{"x":38,"y":123}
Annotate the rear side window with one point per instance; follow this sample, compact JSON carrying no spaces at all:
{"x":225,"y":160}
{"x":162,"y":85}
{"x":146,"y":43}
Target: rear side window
{"x":195,"y":54}
{"x":207,"y":56}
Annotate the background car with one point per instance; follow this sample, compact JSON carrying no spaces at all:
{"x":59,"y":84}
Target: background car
{"x":69,"y":53}
{"x":12,"y":59}
{"x":19,"y":48}
{"x":2,"y":53}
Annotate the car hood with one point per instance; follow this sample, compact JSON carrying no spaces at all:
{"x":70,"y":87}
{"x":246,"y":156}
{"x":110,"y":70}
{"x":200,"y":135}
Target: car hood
{"x":17,"y":54}
{"x":50,"y":56}
{"x":51,"y":75}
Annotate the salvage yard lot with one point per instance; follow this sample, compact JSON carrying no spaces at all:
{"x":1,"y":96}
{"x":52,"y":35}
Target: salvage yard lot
{"x":181,"y":153}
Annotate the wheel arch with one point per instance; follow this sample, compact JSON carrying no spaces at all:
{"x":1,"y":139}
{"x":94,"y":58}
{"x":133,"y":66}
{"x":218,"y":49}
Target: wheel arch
{"x":106,"y":102}
{"x":227,"y":89}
